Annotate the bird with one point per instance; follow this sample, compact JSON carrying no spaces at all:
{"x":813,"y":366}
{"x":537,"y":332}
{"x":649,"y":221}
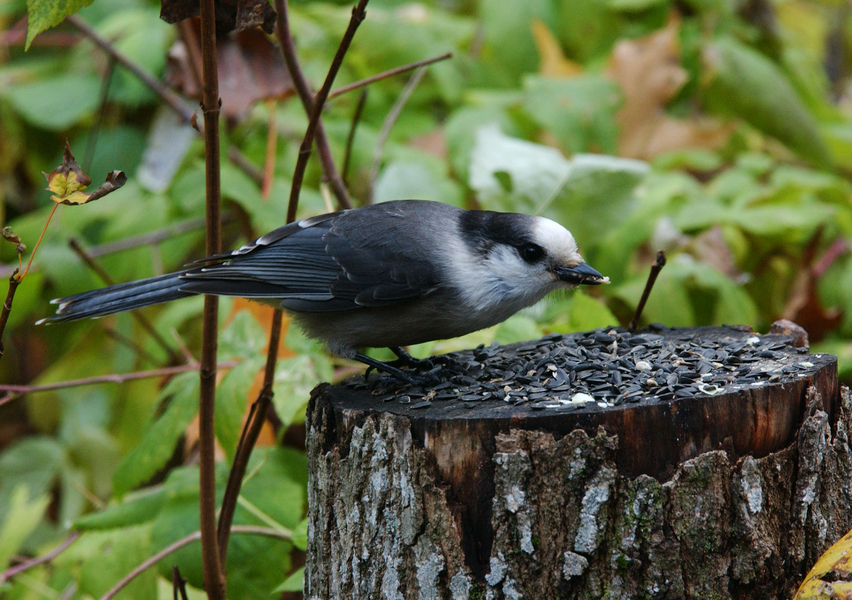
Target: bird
{"x":392,"y":274}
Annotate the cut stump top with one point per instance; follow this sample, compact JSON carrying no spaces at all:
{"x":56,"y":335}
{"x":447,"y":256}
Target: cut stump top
{"x":669,"y":395}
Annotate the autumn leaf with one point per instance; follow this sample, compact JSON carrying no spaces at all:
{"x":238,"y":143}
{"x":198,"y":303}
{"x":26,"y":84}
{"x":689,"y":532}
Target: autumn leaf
{"x":68,"y":183}
{"x":829,"y":577}
{"x":553,"y":60}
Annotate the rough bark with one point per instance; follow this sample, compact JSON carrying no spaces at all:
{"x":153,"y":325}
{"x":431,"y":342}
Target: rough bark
{"x":564,"y":518}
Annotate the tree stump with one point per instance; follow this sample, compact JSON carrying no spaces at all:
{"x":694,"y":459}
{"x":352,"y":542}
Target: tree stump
{"x":674,"y":463}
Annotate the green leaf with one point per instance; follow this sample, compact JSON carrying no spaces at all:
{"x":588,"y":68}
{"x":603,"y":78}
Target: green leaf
{"x":588,"y":194}
{"x":23,"y":515}
{"x":231,"y":398}
{"x":158,"y":445}
{"x":579,"y":111}
{"x":135,"y":509}
{"x":43,"y":14}
{"x":243,"y":337}
{"x":746,"y":84}
{"x":300,"y":535}
{"x":294,"y":583}
{"x":102,"y":558}
{"x":580,"y":312}
{"x":294,"y":379}
{"x":517,"y":328}
{"x":35,"y":463}
{"x":56,"y":103}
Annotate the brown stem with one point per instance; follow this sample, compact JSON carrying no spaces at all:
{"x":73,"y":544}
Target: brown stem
{"x":140,"y":318}
{"x":186,"y":541}
{"x":350,"y":139}
{"x":40,"y":560}
{"x":14,"y":282}
{"x":18,"y":390}
{"x":358,"y":15}
{"x":168,"y":96}
{"x":393,"y":115}
{"x":178,"y":584}
{"x":649,"y":285}
{"x":386,"y":74}
{"x":288,"y":49}
{"x":214,"y":577}
{"x":248,"y":438}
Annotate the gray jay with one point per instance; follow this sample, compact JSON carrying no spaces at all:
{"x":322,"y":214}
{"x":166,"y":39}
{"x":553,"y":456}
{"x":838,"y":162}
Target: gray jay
{"x":385,"y":275}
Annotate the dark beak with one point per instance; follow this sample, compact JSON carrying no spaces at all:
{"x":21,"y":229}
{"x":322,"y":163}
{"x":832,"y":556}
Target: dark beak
{"x":582,"y":274}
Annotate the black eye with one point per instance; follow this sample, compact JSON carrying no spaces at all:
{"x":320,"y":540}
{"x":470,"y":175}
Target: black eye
{"x":531,"y":253}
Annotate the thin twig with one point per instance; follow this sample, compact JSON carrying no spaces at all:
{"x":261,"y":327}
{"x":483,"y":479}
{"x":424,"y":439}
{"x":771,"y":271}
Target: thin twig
{"x":178,"y":584}
{"x":350,"y":139}
{"x":168,"y":96}
{"x":288,"y":49}
{"x":248,"y":438}
{"x":649,"y":285}
{"x":19,"y":390}
{"x":386,"y":74}
{"x":358,"y":15}
{"x":140,"y":317}
{"x":186,"y":541}
{"x":214,"y":577}
{"x":393,"y":115}
{"x":14,"y":282}
{"x":40,"y":560}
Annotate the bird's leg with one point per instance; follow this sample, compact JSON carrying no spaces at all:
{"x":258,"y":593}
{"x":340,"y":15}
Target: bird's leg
{"x":406,"y":360}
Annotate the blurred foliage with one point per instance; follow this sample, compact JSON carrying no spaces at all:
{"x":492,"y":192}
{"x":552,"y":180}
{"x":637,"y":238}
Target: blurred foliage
{"x":720,"y":131}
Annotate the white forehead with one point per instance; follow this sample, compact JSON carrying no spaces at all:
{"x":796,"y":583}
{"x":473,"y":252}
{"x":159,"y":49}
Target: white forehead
{"x":556,"y":240}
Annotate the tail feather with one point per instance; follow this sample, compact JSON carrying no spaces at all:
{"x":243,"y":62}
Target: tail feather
{"x":119,"y":298}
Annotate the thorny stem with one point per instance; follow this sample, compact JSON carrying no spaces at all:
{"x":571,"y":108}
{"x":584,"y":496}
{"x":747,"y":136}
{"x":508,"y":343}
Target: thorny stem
{"x":186,"y":541}
{"x":140,"y":318}
{"x":214,"y":577}
{"x":649,"y":285}
{"x":288,"y":49}
{"x":386,"y":74}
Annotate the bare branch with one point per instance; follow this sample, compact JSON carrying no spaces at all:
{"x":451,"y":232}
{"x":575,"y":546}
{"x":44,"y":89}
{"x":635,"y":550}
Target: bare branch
{"x":386,"y":74}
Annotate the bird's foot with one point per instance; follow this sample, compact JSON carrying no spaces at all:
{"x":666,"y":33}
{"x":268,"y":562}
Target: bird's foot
{"x":404,"y":359}
{"x":392,"y":369}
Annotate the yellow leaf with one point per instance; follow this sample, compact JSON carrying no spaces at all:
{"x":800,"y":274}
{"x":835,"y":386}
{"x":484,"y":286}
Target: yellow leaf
{"x":829,"y":576}
{"x":553,"y":61}
{"x":67,"y":182}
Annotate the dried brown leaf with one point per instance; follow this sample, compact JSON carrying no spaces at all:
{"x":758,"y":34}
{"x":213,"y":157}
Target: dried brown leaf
{"x":649,"y":72}
{"x":250,"y":67}
{"x":231,"y":15}
{"x":553,"y":60}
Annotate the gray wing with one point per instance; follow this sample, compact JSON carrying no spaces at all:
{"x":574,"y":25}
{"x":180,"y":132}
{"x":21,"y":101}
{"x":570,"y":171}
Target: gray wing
{"x":340,"y":261}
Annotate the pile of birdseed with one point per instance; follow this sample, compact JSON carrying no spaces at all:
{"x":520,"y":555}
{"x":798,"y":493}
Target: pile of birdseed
{"x":602,"y":369}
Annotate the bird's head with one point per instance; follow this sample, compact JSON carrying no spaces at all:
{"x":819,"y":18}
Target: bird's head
{"x":516,"y":259}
